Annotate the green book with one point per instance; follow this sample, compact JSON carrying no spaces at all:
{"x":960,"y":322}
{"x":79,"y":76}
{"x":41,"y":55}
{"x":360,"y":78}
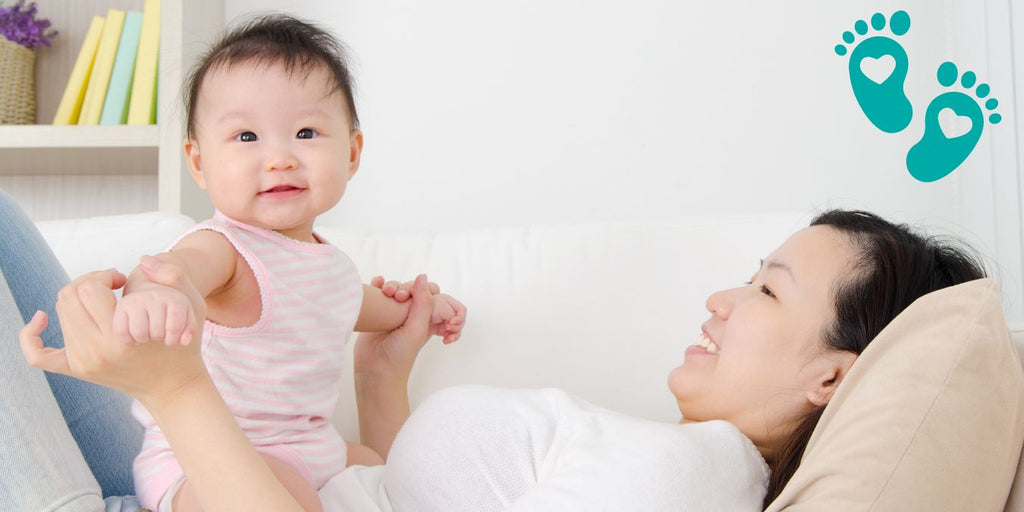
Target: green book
{"x":115,"y":106}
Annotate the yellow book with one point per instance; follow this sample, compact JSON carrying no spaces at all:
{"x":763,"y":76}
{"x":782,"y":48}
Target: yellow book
{"x":142,"y":105}
{"x":92,"y":107}
{"x":74,"y":92}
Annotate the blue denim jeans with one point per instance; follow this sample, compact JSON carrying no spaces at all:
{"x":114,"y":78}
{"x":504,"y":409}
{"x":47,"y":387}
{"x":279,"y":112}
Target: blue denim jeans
{"x":64,"y":443}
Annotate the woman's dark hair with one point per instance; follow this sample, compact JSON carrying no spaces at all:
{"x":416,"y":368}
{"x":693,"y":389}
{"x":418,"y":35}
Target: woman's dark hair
{"x":274,"y":39}
{"x":893,"y":266}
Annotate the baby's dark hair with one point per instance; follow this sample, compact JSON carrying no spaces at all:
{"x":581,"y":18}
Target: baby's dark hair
{"x":275,"y":39}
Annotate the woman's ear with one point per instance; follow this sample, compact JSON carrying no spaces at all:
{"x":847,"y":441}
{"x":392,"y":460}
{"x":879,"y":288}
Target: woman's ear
{"x":195,"y":168}
{"x":828,"y":371}
{"x":355,"y":151}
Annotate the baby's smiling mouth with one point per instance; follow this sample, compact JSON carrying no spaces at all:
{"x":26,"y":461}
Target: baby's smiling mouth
{"x":280,"y":188}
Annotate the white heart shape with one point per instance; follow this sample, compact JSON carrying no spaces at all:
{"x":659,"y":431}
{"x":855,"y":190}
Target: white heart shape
{"x":878,"y":70}
{"x":954,"y":125}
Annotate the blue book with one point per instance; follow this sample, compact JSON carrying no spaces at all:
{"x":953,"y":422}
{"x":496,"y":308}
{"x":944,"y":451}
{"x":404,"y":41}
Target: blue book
{"x":115,"y":106}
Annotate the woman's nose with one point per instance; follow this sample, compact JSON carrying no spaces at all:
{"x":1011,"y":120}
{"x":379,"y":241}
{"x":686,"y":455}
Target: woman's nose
{"x":721,"y":303}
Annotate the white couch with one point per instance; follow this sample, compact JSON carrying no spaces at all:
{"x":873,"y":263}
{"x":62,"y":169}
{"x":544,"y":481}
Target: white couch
{"x":604,"y":311}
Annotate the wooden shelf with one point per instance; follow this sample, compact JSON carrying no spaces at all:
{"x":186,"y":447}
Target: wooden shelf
{"x":44,"y":153}
{"x":48,"y":149}
{"x":44,"y":136}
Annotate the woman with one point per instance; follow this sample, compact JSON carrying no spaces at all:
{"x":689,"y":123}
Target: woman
{"x":768,"y":359}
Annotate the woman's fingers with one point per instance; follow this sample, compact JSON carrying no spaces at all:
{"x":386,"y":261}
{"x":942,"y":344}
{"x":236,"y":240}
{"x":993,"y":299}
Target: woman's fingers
{"x":38,"y":356}
{"x":418,"y":321}
{"x":90,"y":298}
{"x":120,"y":327}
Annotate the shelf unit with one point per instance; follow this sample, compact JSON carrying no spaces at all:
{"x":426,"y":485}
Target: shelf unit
{"x":103,"y":153}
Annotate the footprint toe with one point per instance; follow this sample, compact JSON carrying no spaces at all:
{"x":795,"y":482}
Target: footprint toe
{"x":947,"y":74}
{"x":899,"y":23}
{"x":878,"y":21}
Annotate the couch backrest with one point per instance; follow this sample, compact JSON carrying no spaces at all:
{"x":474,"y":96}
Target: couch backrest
{"x":603,"y":311}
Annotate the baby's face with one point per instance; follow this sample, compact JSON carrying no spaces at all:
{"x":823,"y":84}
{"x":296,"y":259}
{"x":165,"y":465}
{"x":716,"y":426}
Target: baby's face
{"x":273,"y":148}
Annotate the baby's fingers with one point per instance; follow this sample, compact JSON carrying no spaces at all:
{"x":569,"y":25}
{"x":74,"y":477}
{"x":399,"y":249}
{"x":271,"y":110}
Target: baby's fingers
{"x":38,"y":356}
{"x":392,"y":289}
{"x":451,"y":337}
{"x":406,"y":287}
{"x":175,"y":324}
{"x":157,"y":316}
{"x":460,"y":309}
{"x":138,"y":325}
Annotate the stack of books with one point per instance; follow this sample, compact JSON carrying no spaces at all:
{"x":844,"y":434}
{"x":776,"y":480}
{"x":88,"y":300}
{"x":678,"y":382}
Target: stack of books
{"x":114,"y":78}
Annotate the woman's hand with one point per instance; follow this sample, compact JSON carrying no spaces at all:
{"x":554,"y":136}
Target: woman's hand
{"x":383,"y":362}
{"x":393,"y":354}
{"x":449,"y":315}
{"x":219,"y":462}
{"x":85,"y":308}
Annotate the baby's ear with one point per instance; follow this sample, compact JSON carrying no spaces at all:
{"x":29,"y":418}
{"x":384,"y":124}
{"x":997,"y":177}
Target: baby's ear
{"x":195,"y":168}
{"x":355,"y":152}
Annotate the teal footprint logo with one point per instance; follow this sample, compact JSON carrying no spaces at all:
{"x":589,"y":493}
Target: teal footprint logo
{"x":948,"y":140}
{"x":878,"y":70}
{"x":954,"y":120}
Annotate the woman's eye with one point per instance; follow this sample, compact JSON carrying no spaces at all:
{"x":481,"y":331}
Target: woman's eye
{"x":306,"y":133}
{"x":246,"y":137}
{"x":766,"y":291}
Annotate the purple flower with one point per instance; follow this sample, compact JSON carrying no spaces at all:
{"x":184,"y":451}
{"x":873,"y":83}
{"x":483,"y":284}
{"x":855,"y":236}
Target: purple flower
{"x":19,"y":24}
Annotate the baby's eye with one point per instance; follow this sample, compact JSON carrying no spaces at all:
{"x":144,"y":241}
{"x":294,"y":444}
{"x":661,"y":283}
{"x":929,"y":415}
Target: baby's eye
{"x":766,"y":291}
{"x":246,"y":137}
{"x":306,"y":133}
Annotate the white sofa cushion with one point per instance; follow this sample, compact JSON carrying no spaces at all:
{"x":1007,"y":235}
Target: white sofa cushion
{"x":601,"y":310}
{"x":95,"y":243}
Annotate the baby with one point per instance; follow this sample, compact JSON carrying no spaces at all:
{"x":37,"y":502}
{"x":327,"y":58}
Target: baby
{"x":273,"y":138}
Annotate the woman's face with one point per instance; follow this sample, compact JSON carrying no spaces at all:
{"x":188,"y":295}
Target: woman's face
{"x":765,"y":365}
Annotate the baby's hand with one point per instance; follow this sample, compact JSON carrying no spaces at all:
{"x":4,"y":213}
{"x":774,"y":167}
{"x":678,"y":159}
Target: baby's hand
{"x":448,"y":318}
{"x":449,"y":314}
{"x":154,"y":312}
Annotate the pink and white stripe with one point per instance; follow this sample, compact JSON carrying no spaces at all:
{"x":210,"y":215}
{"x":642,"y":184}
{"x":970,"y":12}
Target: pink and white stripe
{"x":280,"y":376}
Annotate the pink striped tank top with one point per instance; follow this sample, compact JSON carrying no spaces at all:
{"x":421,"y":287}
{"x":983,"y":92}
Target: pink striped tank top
{"x":280,"y":376}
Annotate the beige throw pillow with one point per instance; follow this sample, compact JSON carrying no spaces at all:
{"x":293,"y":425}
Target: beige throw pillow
{"x":928,"y":419}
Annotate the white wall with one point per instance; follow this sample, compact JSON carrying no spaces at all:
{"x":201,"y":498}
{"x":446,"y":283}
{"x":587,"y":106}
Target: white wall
{"x":498,"y":113}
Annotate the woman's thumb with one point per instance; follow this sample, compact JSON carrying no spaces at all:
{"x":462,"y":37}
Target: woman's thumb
{"x":422,"y":305}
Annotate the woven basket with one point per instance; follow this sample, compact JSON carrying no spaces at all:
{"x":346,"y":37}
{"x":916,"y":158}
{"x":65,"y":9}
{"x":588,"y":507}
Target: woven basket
{"x":17,"y":83}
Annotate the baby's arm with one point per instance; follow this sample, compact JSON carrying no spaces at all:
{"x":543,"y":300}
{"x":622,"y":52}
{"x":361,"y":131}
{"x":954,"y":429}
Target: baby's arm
{"x":380,"y":313}
{"x":150,"y":311}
